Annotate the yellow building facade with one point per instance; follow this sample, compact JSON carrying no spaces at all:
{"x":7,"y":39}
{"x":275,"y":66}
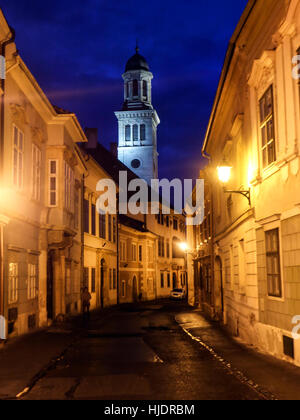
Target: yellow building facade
{"x":254,"y":129}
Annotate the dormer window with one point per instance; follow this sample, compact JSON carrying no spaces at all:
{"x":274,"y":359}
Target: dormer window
{"x":135,"y":88}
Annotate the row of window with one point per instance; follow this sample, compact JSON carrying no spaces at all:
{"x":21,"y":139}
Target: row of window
{"x":36,"y":175}
{"x":135,"y":132}
{"x":89,"y":278}
{"x":163,"y":247}
{"x":273,"y":266}
{"x":267,"y":125}
{"x":165,"y":220}
{"x":107,"y":224}
{"x":165,"y":280}
{"x":136,"y":252}
{"x":13,"y":282}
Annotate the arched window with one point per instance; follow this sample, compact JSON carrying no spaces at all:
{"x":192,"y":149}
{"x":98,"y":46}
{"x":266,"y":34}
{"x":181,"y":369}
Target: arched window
{"x":127,"y":133}
{"x":135,"y":88}
{"x":135,"y":132}
{"x":142,"y":132}
{"x":127,"y":90}
{"x":145,"y":90}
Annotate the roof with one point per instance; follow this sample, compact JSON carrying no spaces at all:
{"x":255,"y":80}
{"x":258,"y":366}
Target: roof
{"x":133,"y":223}
{"x":112,"y":166}
{"x":59,"y":110}
{"x":137,"y":62}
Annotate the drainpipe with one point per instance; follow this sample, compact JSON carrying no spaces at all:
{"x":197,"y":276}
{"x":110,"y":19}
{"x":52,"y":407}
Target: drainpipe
{"x":3,"y":53}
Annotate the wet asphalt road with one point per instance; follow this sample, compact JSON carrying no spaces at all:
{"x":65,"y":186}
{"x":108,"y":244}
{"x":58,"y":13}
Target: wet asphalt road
{"x":137,"y":353}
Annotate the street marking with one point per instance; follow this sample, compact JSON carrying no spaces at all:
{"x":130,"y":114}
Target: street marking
{"x":23,"y":392}
{"x":234,"y":371}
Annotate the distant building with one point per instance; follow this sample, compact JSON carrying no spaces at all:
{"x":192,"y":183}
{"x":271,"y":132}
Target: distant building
{"x":138,"y":121}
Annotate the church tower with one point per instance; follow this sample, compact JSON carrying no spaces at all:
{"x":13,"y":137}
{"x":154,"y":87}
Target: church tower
{"x":138,"y":121}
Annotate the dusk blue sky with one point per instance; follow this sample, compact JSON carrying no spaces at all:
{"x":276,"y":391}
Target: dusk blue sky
{"x":77,"y":50}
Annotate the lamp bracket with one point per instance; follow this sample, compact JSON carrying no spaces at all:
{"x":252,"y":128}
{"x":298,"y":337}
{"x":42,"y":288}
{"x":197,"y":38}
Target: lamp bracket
{"x":245,"y":193}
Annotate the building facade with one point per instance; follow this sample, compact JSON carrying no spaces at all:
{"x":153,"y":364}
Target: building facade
{"x":41,"y":173}
{"x":138,"y":121}
{"x":254,"y":128}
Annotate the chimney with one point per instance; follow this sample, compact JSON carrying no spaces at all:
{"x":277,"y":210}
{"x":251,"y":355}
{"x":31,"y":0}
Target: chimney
{"x":92,"y":136}
{"x":114,"y":149}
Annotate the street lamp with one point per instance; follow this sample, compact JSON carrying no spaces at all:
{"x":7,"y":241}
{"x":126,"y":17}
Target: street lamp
{"x":224,"y":174}
{"x":183,"y":246}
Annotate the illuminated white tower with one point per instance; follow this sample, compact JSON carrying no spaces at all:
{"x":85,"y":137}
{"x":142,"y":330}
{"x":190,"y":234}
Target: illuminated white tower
{"x":138,"y":121}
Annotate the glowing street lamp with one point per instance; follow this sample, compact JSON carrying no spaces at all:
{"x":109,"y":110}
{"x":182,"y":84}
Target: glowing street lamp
{"x":224,"y":174}
{"x":183,"y":246}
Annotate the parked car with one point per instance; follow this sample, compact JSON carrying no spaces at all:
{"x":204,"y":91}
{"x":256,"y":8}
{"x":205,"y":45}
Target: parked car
{"x":178,"y":294}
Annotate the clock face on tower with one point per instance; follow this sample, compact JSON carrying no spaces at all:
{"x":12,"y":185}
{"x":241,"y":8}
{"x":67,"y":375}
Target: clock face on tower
{"x":135,"y":163}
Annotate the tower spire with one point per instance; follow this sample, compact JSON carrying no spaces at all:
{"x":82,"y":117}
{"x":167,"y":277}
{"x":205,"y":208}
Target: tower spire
{"x":137,"y":48}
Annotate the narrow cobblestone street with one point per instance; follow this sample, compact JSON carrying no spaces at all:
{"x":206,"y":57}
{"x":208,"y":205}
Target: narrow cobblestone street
{"x":161,"y":351}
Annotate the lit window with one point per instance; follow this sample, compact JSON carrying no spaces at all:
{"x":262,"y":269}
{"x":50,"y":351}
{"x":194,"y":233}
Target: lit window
{"x":273,"y":263}
{"x":18,"y":157}
{"x":32,"y":281}
{"x":53,"y":174}
{"x":266,"y":107}
{"x":36,"y":172}
{"x":13,"y":283}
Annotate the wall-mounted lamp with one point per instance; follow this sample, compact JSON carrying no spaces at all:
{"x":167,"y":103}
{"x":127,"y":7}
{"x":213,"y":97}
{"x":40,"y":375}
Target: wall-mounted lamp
{"x":224,"y":174}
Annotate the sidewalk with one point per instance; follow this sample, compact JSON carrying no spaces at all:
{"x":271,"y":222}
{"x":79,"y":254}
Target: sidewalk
{"x":277,"y":377}
{"x":24,"y":357}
